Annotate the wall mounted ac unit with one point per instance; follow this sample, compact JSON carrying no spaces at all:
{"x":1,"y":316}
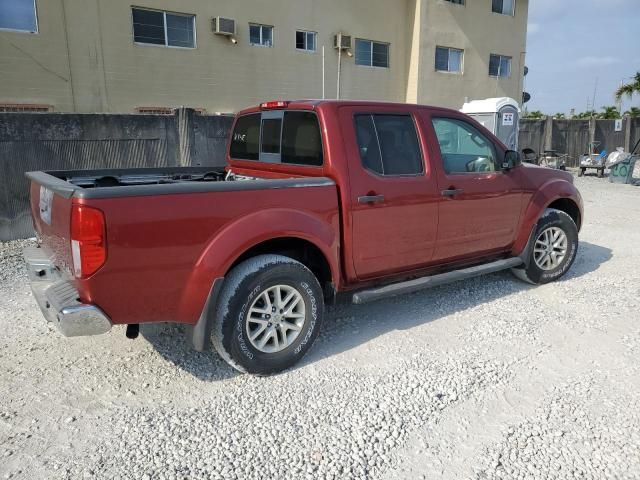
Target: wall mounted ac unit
{"x":342,"y":41}
{"x":223,"y":26}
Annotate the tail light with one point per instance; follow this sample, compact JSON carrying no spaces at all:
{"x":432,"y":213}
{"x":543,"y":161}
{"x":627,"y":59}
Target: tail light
{"x":88,"y":240}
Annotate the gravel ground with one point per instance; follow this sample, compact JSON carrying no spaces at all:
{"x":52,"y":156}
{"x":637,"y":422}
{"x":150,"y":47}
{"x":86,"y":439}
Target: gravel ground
{"x":487,"y":378}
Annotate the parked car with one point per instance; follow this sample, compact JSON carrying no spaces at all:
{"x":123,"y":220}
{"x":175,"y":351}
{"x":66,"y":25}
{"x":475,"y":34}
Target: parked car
{"x":319,"y":198}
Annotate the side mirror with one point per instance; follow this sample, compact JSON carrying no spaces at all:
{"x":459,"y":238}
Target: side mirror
{"x":511,"y":160}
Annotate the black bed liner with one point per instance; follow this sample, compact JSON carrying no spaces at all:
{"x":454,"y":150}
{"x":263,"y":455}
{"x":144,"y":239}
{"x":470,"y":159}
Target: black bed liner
{"x":135,"y":182}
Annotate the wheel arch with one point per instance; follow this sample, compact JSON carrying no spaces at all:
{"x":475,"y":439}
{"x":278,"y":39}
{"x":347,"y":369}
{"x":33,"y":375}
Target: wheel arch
{"x":312,"y":240}
{"x":557,"y":193}
{"x":568,"y":206}
{"x":297,"y":248}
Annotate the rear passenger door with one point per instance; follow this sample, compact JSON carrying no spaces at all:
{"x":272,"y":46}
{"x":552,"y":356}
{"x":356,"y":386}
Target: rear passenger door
{"x":480,"y":203}
{"x":394,"y":199}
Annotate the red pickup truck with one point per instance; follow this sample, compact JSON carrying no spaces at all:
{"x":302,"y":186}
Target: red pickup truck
{"x":318,"y":198}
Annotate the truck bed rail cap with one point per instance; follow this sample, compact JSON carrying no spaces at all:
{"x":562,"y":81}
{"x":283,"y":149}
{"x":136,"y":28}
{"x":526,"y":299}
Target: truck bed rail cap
{"x":62,"y":188}
{"x":204,"y":187}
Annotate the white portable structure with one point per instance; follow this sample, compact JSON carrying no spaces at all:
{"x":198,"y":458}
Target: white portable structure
{"x":500,"y":116}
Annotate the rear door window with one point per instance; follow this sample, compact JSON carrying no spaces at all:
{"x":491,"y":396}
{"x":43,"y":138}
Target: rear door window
{"x":388,"y":144}
{"x":278,"y":136}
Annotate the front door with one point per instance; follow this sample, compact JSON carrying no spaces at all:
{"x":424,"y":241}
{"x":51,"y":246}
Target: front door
{"x":393,"y":196}
{"x":480,"y":203}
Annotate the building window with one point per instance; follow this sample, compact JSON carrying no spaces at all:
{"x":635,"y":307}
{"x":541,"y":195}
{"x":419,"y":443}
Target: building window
{"x":457,"y":2}
{"x":504,"y":7}
{"x":19,"y":15}
{"x":499,"y":66}
{"x":306,"y":40}
{"x":388,"y":144}
{"x":261,"y":35}
{"x":24,"y":107}
{"x":449,"y":59}
{"x":155,"y":110}
{"x":163,"y":28}
{"x":372,"y":54}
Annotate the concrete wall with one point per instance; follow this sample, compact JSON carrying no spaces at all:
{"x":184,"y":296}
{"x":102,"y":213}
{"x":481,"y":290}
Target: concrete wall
{"x":532,"y":135}
{"x":607,"y":136}
{"x":573,"y":136}
{"x":84,"y":59}
{"x":87,"y":141}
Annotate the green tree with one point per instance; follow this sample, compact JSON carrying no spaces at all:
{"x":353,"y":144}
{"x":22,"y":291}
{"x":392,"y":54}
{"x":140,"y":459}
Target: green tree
{"x":559,"y":116}
{"x":609,"y":113}
{"x":536,"y":115}
{"x":585,"y":115}
{"x":628,"y":89}
{"x":633,"y":112}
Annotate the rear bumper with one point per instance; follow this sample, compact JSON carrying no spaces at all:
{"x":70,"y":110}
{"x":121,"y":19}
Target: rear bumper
{"x":59,"y":300}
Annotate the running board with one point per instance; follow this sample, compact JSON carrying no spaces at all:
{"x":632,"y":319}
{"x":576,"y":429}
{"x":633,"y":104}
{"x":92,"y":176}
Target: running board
{"x":410,"y":286}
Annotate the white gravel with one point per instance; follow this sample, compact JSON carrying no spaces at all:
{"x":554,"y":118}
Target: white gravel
{"x":487,"y":378}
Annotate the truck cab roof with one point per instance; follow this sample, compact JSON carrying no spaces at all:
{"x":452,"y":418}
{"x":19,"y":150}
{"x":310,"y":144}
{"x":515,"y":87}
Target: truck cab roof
{"x":316,"y":104}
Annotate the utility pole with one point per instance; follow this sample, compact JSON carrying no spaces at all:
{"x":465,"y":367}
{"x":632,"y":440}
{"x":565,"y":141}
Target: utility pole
{"x":339,"y":65}
{"x":595,"y":89}
{"x":619,"y":100}
{"x":323,"y":75}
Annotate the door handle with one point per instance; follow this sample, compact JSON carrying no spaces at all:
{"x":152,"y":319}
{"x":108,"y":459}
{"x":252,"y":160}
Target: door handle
{"x":371,"y":199}
{"x":452,"y":192}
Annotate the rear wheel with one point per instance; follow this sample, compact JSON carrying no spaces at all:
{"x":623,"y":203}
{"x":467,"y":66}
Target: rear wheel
{"x":554,"y":249}
{"x":269,"y":314}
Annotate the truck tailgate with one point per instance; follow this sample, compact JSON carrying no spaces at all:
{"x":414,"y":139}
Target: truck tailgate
{"x":51,"y":213}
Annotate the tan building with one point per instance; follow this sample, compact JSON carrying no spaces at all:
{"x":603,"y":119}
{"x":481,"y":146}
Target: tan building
{"x":119,"y":56}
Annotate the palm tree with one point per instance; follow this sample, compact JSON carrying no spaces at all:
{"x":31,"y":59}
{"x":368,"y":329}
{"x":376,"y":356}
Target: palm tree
{"x":633,"y":112}
{"x":536,"y":115}
{"x":628,"y":89}
{"x":586,"y":115}
{"x":609,"y":113}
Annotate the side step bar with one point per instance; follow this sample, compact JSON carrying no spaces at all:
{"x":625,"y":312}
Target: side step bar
{"x":410,"y":286}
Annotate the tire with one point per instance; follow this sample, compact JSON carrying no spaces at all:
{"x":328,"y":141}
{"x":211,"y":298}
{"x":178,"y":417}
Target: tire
{"x":239,"y":327}
{"x":552,"y":221}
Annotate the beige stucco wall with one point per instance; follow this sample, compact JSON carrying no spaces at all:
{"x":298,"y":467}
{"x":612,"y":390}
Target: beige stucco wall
{"x":34,"y":68}
{"x":478,"y":31}
{"x":93,"y":65}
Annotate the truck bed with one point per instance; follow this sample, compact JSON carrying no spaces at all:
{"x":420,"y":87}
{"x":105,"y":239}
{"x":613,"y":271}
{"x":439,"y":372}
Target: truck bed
{"x":114,"y":183}
{"x":171,"y":231}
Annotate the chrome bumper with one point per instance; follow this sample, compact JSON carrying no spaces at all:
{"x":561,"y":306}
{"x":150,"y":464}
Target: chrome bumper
{"x":58,"y":298}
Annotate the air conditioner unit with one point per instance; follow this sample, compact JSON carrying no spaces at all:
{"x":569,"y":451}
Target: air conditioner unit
{"x":342,"y":41}
{"x":223,"y":26}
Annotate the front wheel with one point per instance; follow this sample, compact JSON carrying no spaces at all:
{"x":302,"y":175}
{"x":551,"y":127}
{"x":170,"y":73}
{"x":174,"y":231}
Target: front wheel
{"x":554,"y":249}
{"x":269,"y":314}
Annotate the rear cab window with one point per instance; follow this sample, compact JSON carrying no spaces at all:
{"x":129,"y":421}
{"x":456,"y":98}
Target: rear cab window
{"x":278,"y":136}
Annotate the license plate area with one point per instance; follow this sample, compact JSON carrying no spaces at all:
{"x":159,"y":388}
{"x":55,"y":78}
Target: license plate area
{"x":46,"y":204}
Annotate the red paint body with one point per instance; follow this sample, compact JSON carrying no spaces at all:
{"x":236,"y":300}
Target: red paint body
{"x":164,"y":251}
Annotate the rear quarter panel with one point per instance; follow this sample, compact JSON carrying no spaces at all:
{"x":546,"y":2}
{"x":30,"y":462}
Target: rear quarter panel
{"x":164,"y":251}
